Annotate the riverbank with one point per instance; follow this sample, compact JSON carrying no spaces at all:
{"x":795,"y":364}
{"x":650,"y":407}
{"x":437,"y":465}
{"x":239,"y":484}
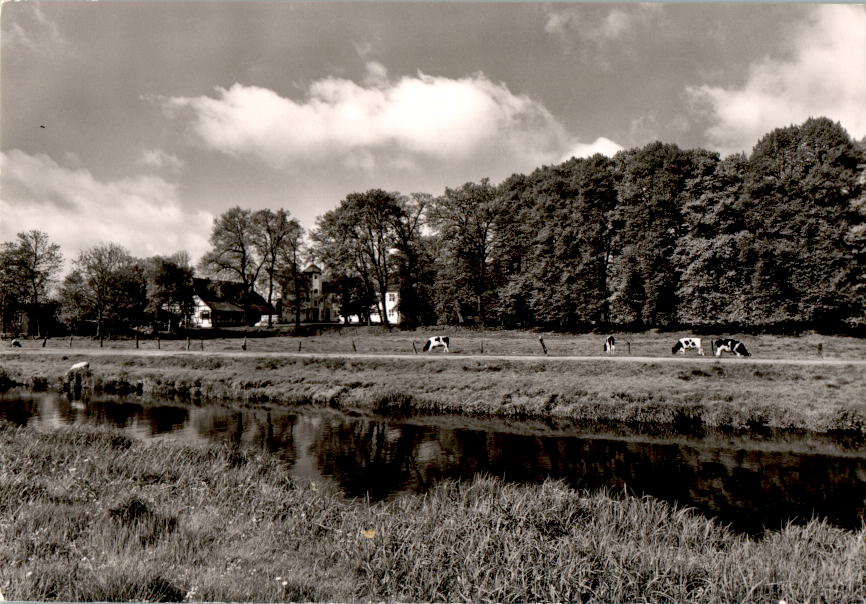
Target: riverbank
{"x":679,"y":394}
{"x":93,"y":515}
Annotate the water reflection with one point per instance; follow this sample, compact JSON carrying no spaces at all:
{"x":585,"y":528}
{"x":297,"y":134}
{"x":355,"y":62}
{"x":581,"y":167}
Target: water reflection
{"x":749,"y":488}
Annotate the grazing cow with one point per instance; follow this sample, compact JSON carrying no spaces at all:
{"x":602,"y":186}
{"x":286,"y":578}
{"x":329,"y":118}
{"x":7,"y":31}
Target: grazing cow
{"x":16,"y":343}
{"x":729,"y":345}
{"x":435,"y":342}
{"x":83,"y":365}
{"x":684,"y":344}
{"x":610,"y":345}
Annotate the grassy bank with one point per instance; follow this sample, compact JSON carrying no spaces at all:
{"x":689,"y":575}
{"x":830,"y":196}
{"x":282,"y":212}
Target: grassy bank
{"x":688,"y":396}
{"x":94,"y":515}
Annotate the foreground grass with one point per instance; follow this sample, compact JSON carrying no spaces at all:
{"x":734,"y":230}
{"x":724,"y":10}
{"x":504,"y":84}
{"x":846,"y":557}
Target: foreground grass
{"x":689,"y":396}
{"x":94,"y":515}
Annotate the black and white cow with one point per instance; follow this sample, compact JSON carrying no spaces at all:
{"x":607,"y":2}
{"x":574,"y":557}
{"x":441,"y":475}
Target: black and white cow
{"x":610,"y":345}
{"x":730,"y":345}
{"x":684,"y":344}
{"x":436,"y":342}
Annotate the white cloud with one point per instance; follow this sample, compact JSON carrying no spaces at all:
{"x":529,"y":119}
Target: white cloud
{"x":159,"y":159}
{"x":78,"y":211}
{"x":822,"y":74}
{"x":406,"y":121}
{"x":602,"y":145}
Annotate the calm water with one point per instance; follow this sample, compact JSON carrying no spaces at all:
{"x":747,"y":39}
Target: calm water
{"x":749,"y":484}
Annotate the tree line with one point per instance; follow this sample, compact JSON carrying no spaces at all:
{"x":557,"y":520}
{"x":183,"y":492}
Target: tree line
{"x":654,"y":237}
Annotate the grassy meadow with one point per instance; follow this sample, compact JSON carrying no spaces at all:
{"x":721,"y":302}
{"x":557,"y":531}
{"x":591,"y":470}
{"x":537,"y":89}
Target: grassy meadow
{"x":512,"y":379}
{"x":93,"y":515}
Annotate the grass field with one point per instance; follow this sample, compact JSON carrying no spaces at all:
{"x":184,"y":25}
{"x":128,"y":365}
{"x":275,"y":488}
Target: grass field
{"x":376,"y":340}
{"x":93,"y":515}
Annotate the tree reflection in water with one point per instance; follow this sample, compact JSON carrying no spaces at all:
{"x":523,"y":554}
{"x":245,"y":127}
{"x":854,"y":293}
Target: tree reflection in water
{"x":751,"y":485}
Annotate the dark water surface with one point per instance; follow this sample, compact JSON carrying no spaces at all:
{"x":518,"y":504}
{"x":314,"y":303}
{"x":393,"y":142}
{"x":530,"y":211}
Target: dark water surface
{"x":750,"y":484}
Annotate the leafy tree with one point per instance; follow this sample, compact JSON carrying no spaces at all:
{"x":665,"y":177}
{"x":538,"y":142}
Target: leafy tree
{"x":800,"y":186}
{"x":464,"y":219}
{"x":236,"y":242}
{"x":169,"y":289}
{"x":277,"y":240}
{"x":356,"y":240}
{"x":12,"y":292}
{"x":412,"y":260}
{"x":107,"y":286}
{"x":713,"y":255}
{"x":648,"y":223}
{"x":31,"y":265}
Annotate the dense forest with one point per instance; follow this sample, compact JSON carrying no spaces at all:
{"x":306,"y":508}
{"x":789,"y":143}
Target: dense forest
{"x":654,"y":237}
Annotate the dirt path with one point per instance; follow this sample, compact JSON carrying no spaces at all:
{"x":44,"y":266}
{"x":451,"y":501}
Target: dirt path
{"x":449,"y":357}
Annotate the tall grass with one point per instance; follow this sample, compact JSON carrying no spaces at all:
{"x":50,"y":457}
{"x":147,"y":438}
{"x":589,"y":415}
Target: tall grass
{"x":92,"y":515}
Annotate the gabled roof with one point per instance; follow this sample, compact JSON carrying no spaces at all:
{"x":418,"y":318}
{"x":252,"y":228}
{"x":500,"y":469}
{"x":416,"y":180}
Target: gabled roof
{"x":312,"y":269}
{"x":227,"y":296}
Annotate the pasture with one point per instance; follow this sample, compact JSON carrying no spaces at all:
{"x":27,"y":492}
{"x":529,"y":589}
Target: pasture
{"x":377,"y":340}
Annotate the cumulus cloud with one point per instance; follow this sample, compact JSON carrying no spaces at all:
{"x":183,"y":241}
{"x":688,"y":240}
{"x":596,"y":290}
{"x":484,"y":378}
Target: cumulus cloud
{"x":602,"y":145}
{"x":406,"y":121}
{"x":821,"y":74}
{"x":78,"y":211}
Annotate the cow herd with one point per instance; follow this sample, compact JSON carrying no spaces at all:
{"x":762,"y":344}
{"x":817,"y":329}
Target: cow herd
{"x":719,"y":346}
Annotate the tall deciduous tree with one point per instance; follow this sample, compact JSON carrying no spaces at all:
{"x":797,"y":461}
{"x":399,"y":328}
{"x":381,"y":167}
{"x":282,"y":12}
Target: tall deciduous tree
{"x":357,"y":238}
{"x":465,"y":219}
{"x":648,"y":223}
{"x":234,"y":253}
{"x":277,"y":239}
{"x":31,"y":264}
{"x":412,"y":261}
{"x":800,"y":186}
{"x":169,"y":289}
{"x":107,"y":286}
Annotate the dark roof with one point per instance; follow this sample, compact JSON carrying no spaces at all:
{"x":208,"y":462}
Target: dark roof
{"x":227,"y":296}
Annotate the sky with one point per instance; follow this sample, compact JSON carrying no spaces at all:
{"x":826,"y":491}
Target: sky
{"x":139,"y":122}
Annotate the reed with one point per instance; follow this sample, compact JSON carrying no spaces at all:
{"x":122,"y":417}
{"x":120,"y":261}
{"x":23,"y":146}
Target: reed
{"x":93,"y":515}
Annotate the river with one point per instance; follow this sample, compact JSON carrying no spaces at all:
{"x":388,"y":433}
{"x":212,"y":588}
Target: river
{"x":748,"y":483}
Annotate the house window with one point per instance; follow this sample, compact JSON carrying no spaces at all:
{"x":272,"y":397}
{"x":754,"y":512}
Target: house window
{"x":392,"y":311}
{"x":205,"y":315}
{"x":392,"y":297}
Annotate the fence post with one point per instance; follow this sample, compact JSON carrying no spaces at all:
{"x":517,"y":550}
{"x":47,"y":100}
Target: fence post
{"x":70,"y":341}
{"x":354,"y":349}
{"x":543,"y":347}
{"x":299,"y":345}
{"x":482,"y":345}
{"x":187,"y":343}
{"x":157,"y":343}
{"x":821,"y":350}
{"x":136,"y":341}
{"x":201,"y":342}
{"x":628,"y":345}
